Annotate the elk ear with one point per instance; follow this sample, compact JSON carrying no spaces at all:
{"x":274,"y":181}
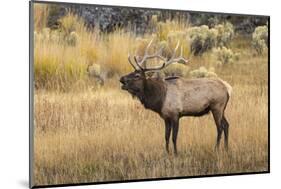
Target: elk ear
{"x":150,"y":74}
{"x":143,"y":73}
{"x":155,"y":74}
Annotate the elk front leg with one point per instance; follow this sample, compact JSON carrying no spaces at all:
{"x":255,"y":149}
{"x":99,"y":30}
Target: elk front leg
{"x":167,"y":133}
{"x":175,"y":126}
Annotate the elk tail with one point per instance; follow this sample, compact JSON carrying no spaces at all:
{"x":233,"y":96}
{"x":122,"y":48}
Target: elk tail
{"x":228,"y":87}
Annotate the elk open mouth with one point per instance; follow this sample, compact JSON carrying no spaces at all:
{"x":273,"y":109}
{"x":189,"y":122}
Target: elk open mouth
{"x":124,"y":87}
{"x":131,"y":90}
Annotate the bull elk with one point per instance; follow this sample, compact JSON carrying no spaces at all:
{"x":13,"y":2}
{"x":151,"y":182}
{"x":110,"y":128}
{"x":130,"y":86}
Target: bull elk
{"x":175,"y":97}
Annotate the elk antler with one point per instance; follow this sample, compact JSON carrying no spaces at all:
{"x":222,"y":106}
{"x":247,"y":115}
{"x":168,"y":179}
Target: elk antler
{"x":142,"y":64}
{"x":129,"y":59}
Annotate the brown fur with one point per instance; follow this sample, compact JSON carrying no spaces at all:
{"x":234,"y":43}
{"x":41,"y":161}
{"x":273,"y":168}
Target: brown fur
{"x":174,"y":98}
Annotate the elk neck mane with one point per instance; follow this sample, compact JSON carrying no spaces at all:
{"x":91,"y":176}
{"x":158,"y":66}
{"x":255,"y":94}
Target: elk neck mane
{"x":154,"y":94}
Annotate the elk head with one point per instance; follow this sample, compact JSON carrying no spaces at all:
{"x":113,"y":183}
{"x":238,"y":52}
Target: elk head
{"x":135,"y":81}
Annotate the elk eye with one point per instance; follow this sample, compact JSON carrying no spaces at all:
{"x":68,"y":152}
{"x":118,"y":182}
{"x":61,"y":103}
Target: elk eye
{"x":137,"y":76}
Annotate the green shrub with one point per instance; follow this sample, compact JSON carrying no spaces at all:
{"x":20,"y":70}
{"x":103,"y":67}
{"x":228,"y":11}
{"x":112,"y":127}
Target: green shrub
{"x":202,"y":39}
{"x":176,"y":70}
{"x":203,"y":72}
{"x":95,"y":72}
{"x":225,"y":55}
{"x":72,"y":38}
{"x":225,"y":34}
{"x":197,"y":39}
{"x":260,"y":39}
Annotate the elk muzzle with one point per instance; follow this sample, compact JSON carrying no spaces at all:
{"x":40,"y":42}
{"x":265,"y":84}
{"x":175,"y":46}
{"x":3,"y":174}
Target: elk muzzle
{"x":123,"y":80}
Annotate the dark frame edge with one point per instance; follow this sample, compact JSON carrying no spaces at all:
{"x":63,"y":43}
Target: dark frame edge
{"x":146,"y":8}
{"x":31,"y":94}
{"x":151,"y":179}
{"x":268,"y":93}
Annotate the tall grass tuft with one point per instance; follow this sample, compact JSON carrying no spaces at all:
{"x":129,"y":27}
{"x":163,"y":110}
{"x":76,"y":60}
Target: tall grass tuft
{"x":62,"y":55}
{"x":41,"y":13}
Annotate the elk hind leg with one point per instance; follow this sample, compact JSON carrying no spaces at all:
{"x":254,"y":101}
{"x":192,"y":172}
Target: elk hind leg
{"x":217,"y":114}
{"x":167,"y":133}
{"x":225,"y":130}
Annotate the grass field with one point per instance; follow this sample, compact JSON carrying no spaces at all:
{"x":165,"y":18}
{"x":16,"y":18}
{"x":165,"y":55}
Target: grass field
{"x":106,"y":135}
{"x":84,"y":132}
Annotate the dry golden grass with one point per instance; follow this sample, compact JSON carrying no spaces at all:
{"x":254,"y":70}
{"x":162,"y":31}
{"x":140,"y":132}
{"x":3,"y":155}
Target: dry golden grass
{"x":106,"y":135}
{"x":41,"y":13}
{"x":61,"y":56}
{"x":87,"y":133}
